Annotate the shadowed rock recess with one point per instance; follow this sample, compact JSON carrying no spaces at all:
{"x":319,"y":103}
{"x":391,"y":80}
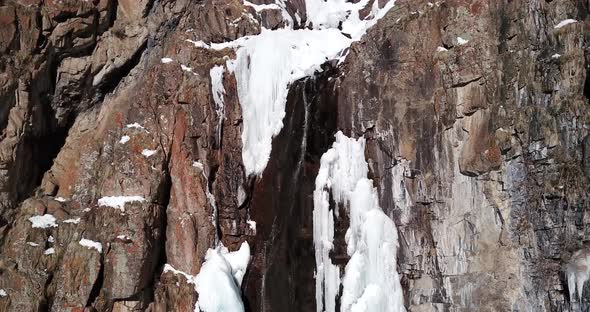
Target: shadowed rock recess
{"x":475,"y":113}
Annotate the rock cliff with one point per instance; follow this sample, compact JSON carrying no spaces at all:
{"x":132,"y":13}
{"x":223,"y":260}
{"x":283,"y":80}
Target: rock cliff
{"x":475,"y":113}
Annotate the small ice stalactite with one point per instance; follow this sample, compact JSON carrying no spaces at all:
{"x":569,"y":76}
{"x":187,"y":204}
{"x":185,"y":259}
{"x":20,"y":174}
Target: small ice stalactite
{"x":578,"y":273}
{"x":218,"y":92}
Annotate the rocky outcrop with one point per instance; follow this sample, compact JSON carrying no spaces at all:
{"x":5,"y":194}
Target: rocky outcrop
{"x":476,"y":120}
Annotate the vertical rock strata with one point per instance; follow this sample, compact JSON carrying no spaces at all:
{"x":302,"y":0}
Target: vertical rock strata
{"x":475,"y":115}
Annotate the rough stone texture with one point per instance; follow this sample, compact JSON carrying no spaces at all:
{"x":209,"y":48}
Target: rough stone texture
{"x":480,"y":153}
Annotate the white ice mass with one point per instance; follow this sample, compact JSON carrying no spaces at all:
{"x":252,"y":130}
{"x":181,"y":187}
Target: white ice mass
{"x":124,"y":139}
{"x":218,"y":283}
{"x":370,"y":281}
{"x":43,"y":222}
{"x":148,"y":152}
{"x":565,"y":22}
{"x":118,"y":202}
{"x":219,"y":280}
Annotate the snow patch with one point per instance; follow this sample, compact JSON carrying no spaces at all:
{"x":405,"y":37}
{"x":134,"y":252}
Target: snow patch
{"x":166,"y":60}
{"x":461,"y":41}
{"x":135,"y":125}
{"x":60,"y":199}
{"x":123,"y":237}
{"x":32,"y":244}
{"x":441,"y":49}
{"x":72,"y":221}
{"x":556,"y":56}
{"x":148,"y":152}
{"x":124,"y":139}
{"x":323,"y":14}
{"x":565,"y":22}
{"x":90,"y":244}
{"x":252,"y":225}
{"x":169,"y":268}
{"x":370,"y":281}
{"x":51,"y":239}
{"x":118,"y":202}
{"x":49,"y":251}
{"x":262,"y":7}
{"x":3,"y":293}
{"x":218,"y":283}
{"x":43,"y":222}
{"x":198,"y":164}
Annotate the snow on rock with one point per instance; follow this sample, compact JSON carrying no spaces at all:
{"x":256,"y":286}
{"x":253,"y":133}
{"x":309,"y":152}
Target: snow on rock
{"x":90,"y":244}
{"x":441,"y":49}
{"x":169,"y":268}
{"x":565,"y":22}
{"x":461,"y":41}
{"x":60,"y":199}
{"x":218,"y":283}
{"x":148,"y":152}
{"x":44,"y":221}
{"x":32,"y":244}
{"x":135,"y":125}
{"x":124,"y":139}
{"x":49,"y":251}
{"x":198,"y":164}
{"x":51,"y":239}
{"x":370,"y":281}
{"x":72,"y":221}
{"x":556,"y":56}
{"x":166,"y":60}
{"x":3,"y":293}
{"x":118,"y":202}
{"x":262,"y":7}
{"x":322,"y":14}
{"x":251,"y":225}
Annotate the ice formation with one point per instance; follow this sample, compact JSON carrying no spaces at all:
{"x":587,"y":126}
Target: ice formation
{"x":578,"y":273}
{"x":218,"y":91}
{"x":267,"y":63}
{"x":370,"y":281}
{"x":219,"y":281}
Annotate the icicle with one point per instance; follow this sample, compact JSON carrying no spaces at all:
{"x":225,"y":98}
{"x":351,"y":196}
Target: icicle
{"x":370,"y":282}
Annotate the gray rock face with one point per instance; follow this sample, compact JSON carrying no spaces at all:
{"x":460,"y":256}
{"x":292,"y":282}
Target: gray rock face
{"x":476,"y":118}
